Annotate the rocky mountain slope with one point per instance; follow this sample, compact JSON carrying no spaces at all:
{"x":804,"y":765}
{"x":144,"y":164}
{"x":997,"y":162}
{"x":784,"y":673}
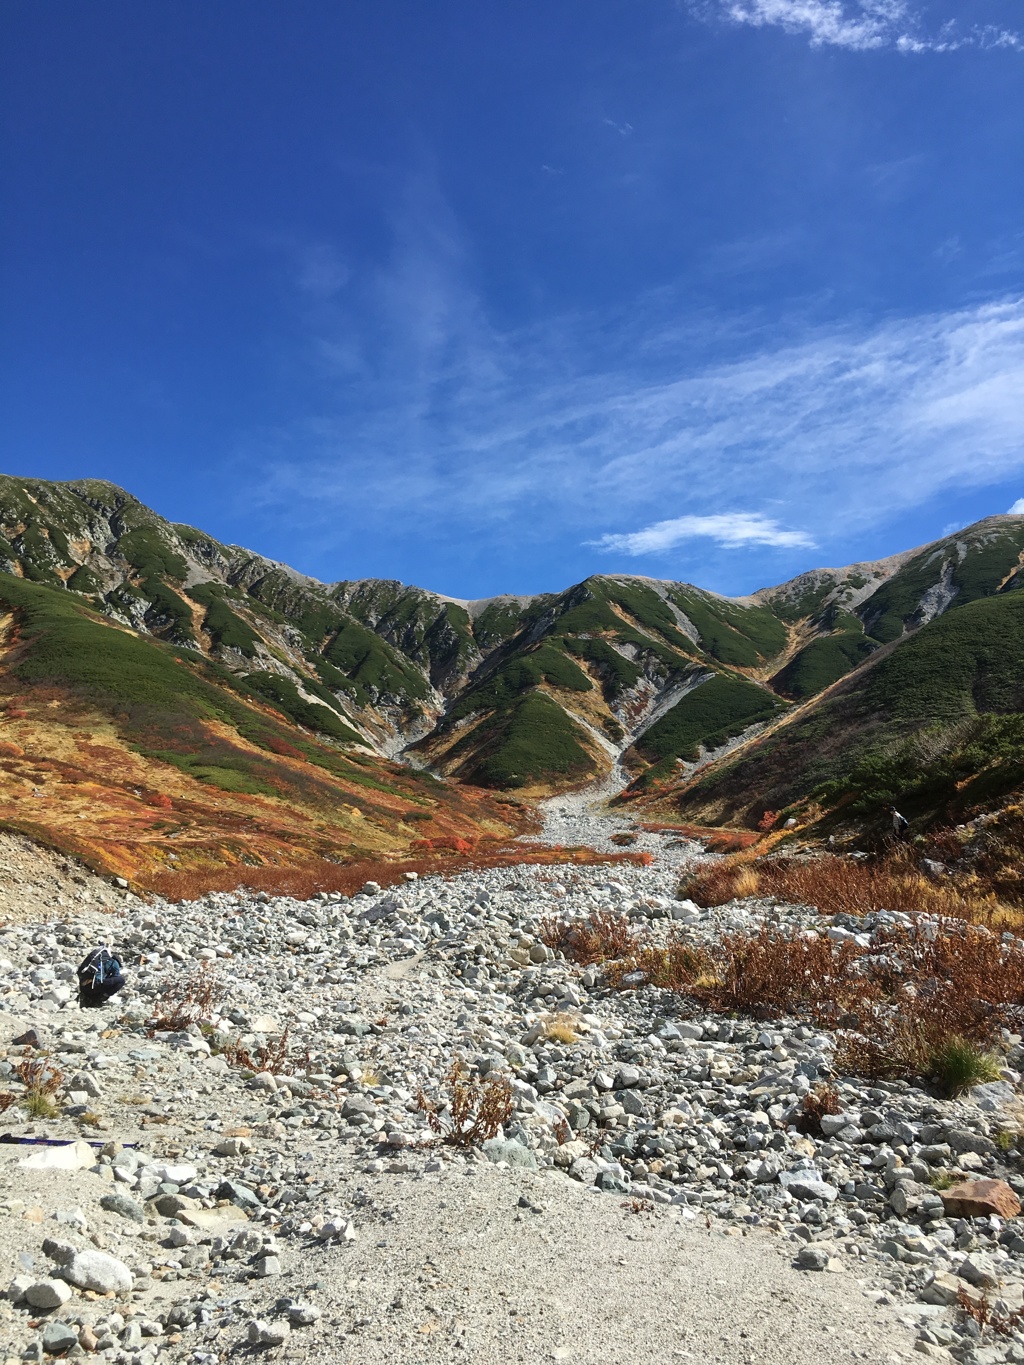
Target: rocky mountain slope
{"x":533,"y":694}
{"x":931,"y":719}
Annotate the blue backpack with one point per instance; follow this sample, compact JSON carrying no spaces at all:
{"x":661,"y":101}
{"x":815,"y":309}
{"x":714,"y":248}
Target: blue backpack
{"x":99,"y":977}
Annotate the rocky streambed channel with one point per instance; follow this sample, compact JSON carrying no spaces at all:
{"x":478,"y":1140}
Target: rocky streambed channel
{"x":264,"y":1179}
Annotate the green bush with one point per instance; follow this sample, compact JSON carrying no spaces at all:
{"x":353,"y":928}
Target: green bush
{"x":742,"y":637}
{"x":618,"y":674}
{"x":822,"y":663}
{"x":282,"y":693}
{"x":150,"y":555}
{"x":497,"y":623}
{"x":989,"y":559}
{"x":373,"y":664}
{"x":167,"y":608}
{"x":225,"y":627}
{"x":545,"y":663}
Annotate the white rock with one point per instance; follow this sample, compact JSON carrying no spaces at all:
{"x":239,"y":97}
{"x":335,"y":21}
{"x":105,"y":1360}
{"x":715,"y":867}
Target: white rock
{"x":339,"y":1229}
{"x":72,"y":1156}
{"x":97,"y":1271}
{"x":172,"y":1173}
{"x":263,"y":1333}
{"x":17,"y":1288}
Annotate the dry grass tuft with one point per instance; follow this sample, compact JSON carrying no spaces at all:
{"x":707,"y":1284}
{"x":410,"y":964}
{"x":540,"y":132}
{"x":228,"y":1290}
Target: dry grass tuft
{"x":272,"y":1057}
{"x":600,"y":937}
{"x":768,"y":974}
{"x":561,"y":1028}
{"x":979,"y":1307}
{"x":474,"y":1110}
{"x":822,"y":1100}
{"x":676,"y":966}
{"x":187,"y":1002}
{"x":42,"y":1079}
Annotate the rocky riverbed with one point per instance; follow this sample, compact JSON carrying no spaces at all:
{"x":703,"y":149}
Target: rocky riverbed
{"x":651,"y":1196}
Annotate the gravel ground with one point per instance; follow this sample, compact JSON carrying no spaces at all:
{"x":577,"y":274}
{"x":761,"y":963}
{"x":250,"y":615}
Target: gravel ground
{"x":650,"y":1196}
{"x":35,"y":882}
{"x":495,"y":1266}
{"x":584,"y":818}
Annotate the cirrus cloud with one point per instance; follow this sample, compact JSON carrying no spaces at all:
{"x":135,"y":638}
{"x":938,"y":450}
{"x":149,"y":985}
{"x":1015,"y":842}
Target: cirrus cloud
{"x":859,"y":25}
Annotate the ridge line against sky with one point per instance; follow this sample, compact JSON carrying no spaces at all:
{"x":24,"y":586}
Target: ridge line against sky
{"x":491,"y":300}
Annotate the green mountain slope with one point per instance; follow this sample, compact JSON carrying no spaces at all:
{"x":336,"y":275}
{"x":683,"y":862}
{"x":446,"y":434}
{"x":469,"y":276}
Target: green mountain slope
{"x":934,"y":724}
{"x":148,"y":759}
{"x":535,"y":693}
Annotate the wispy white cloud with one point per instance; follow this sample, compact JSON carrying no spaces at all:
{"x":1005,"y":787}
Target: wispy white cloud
{"x":432,"y":420}
{"x":585,"y":424}
{"x":1017,"y":509}
{"x":731,"y":530}
{"x":859,"y":25}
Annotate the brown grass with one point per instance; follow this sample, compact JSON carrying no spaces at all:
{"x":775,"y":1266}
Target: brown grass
{"x":303,"y":883}
{"x":600,"y":937}
{"x":473,"y":1109}
{"x":837,"y":885}
{"x":914,"y":1004}
{"x":822,"y":1100}
{"x":979,"y":1307}
{"x":42,"y":1079}
{"x":562,"y":1028}
{"x":768,"y":973}
{"x":714,"y":839}
{"x":932,"y":1005}
{"x":676,"y":966}
{"x":186,"y":1002}
{"x":273,"y":1057}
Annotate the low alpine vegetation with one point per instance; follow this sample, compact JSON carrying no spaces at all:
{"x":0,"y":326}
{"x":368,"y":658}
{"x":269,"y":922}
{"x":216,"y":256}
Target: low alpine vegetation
{"x":41,"y":1080}
{"x":838,"y":886}
{"x":471,"y":1109}
{"x":921,"y":1002}
{"x":186,"y":1002}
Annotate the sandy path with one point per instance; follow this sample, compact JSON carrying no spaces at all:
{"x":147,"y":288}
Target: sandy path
{"x":454,"y":1268}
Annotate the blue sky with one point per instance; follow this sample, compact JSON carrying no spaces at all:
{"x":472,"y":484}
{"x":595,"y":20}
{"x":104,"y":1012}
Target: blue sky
{"x":488,"y":297}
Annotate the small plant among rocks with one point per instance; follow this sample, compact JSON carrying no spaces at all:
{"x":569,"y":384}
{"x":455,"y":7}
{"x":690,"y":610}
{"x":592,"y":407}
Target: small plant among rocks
{"x":956,"y":1064}
{"x":562,"y":1028}
{"x":272,"y":1057}
{"x":822,"y":1100}
{"x":186,"y":1002}
{"x":475,"y":1108}
{"x":980,"y":1309}
{"x":42,"y":1079}
{"x":601,"y":937}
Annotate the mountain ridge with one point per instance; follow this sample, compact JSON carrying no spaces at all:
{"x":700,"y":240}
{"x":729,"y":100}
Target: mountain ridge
{"x":529,"y":692}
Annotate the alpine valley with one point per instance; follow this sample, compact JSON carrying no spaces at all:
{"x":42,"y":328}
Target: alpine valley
{"x":170,"y":700}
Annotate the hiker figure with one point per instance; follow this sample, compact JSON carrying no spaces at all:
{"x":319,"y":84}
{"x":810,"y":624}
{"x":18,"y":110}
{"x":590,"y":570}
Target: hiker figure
{"x":900,"y":824}
{"x":100,"y":977}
